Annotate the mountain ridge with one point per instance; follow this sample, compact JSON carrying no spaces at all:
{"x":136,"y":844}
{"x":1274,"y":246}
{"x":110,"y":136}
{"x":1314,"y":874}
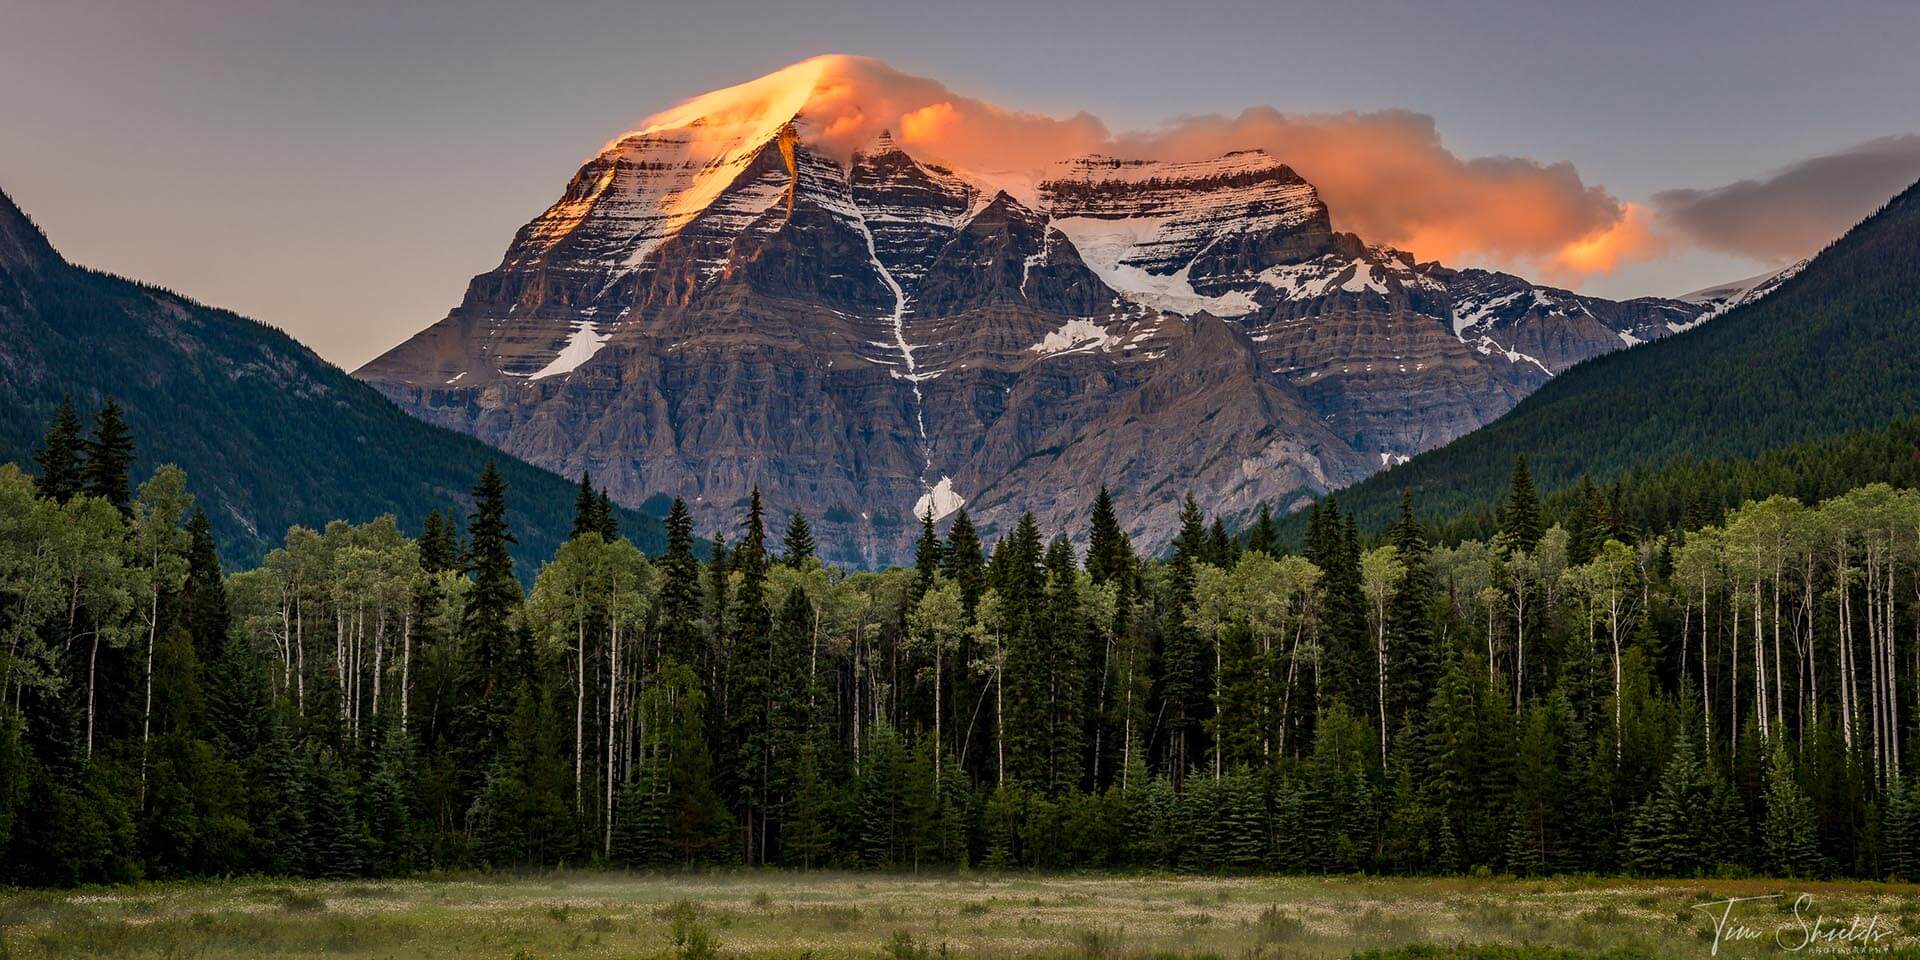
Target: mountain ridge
{"x":297,"y":441}
{"x":1831,"y":347}
{"x":730,"y":298}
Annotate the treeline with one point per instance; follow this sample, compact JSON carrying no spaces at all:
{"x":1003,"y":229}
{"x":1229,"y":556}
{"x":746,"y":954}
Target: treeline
{"x":1576,"y":696}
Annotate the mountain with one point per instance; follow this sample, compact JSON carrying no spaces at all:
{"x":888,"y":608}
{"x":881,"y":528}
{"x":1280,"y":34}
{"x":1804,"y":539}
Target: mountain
{"x":1718,"y":300}
{"x":720,"y":301}
{"x":1832,"y":346}
{"x":270,"y":435}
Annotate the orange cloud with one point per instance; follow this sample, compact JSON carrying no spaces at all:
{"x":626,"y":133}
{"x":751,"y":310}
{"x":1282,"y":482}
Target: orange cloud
{"x":1385,"y":175}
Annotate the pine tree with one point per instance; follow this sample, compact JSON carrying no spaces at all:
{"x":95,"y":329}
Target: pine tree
{"x":488,"y":642}
{"x":204,"y":594}
{"x":1220,"y":548}
{"x":1186,"y":680}
{"x":107,"y":456}
{"x":680,"y":602}
{"x":59,"y":456}
{"x":641,"y":832}
{"x":808,"y":837}
{"x":1263,"y":537}
{"x":1415,"y":664}
{"x":753,"y":712}
{"x":965,"y":563}
{"x":1587,"y":525}
{"x":797,"y":547}
{"x":1520,"y":523}
{"x":586,"y":508}
{"x":393,"y":838}
{"x":333,"y":844}
{"x":1900,"y":831}
{"x":926,"y":556}
{"x":608,"y":521}
{"x":1104,"y":540}
{"x":1789,"y":835}
{"x":439,"y":543}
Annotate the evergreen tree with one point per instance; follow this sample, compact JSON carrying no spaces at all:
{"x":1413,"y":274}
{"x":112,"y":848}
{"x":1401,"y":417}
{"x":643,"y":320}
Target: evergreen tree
{"x":1789,"y":835}
{"x":1520,"y":523}
{"x":607,"y":521}
{"x":753,"y":713}
{"x":680,"y":603}
{"x":107,"y":456}
{"x":1105,"y":540}
{"x":641,"y":830}
{"x":488,"y":642}
{"x":797,"y":546}
{"x":1587,"y":524}
{"x":964,"y":562}
{"x":808,"y":837}
{"x":332,"y":844}
{"x":1900,"y":831}
{"x":1414,"y":665}
{"x":586,"y":508}
{"x":1263,"y":536}
{"x":1185,"y":677}
{"x":204,"y":594}
{"x":59,"y":456}
{"x":926,"y":556}
{"x":1220,"y":548}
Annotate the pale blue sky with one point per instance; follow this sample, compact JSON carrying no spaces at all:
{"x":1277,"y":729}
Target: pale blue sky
{"x":341,"y":169}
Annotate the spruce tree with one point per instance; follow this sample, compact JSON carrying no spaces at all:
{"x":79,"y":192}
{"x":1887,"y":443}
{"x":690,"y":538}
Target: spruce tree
{"x":964,"y":562}
{"x":680,"y":602}
{"x":1263,"y":536}
{"x":1220,"y":548}
{"x":204,"y":594}
{"x":586,"y":508}
{"x":1900,"y":831}
{"x":1104,"y":540}
{"x":750,"y":697}
{"x":59,"y":456}
{"x":488,"y":641}
{"x":1520,"y":523}
{"x":797,"y":547}
{"x":1414,"y":666}
{"x":1789,"y":834}
{"x":926,"y":556}
{"x":1186,"y":681}
{"x":107,"y":456}
{"x":608,"y":521}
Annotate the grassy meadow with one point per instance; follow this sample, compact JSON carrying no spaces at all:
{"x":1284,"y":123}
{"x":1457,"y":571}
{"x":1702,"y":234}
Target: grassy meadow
{"x":823,"y":916}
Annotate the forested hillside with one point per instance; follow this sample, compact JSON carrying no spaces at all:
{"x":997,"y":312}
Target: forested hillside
{"x":270,"y":434}
{"x":1833,"y":349}
{"x":1740,"y":698}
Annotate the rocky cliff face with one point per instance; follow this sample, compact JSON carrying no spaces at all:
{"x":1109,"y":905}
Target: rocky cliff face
{"x":716,"y":305}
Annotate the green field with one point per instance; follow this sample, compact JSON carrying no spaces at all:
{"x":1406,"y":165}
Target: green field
{"x":580,"y":914}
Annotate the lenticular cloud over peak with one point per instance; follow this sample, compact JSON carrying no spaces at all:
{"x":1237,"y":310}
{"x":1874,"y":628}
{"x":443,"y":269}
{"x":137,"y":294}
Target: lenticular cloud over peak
{"x":1385,"y":174}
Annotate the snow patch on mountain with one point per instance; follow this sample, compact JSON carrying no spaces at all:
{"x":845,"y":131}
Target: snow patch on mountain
{"x":1720,"y":300}
{"x":1074,"y":335}
{"x":582,"y":344}
{"x":1105,"y":245}
{"x":941,"y":498}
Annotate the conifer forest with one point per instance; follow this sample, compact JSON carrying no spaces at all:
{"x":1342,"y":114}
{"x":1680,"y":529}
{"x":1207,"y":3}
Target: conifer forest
{"x":1733,"y":693}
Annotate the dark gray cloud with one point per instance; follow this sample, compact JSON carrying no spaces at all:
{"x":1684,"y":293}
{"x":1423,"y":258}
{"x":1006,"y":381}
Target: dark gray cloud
{"x":1800,"y":208}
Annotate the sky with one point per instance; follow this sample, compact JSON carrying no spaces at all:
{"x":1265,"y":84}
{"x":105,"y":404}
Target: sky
{"x":341,"y":170}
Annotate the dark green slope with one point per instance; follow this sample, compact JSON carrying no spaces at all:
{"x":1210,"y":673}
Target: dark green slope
{"x":1836,"y":348}
{"x":270,"y":434}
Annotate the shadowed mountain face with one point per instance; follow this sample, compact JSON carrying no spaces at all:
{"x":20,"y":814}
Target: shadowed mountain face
{"x":718,"y":305}
{"x":270,"y":434}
